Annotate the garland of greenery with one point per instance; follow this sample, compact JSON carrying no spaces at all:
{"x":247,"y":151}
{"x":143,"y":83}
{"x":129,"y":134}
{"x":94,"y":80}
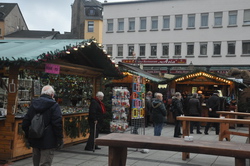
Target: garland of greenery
{"x":84,"y":126}
{"x":71,"y":127}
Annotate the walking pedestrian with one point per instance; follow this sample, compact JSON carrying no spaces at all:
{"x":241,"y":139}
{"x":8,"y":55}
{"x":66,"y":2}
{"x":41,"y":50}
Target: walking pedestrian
{"x":44,"y":147}
{"x":96,"y":111}
{"x":148,"y":108}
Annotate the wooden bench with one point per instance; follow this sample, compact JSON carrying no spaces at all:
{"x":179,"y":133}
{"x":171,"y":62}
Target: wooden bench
{"x":224,"y":125}
{"x":118,"y":144}
{"x":233,"y":114}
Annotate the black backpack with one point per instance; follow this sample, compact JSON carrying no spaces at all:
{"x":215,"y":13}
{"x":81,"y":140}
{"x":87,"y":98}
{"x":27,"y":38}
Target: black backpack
{"x":37,"y":126}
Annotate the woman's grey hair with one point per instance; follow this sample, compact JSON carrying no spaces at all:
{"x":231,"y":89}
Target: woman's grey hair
{"x":48,"y":90}
{"x":177,"y":94}
{"x":99,"y":94}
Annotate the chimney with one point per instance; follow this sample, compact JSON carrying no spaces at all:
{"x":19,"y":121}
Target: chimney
{"x":53,"y":30}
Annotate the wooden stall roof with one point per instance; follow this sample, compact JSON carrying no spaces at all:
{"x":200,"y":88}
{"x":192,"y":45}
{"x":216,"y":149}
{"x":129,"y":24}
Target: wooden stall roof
{"x":83,"y":55}
{"x":125,"y":67}
{"x":199,"y":73}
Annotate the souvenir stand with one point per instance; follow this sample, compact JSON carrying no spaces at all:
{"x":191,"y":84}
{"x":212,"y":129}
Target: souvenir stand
{"x":76,"y":69}
{"x":120,"y":109}
{"x":138,"y":106}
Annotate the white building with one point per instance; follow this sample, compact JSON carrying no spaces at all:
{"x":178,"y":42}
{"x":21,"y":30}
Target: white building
{"x":169,"y":35}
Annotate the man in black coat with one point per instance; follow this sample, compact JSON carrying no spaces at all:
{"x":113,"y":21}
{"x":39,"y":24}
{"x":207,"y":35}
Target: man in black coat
{"x":43,"y":148}
{"x":194,"y":109}
{"x":177,"y":111}
{"x":213,"y":105}
{"x":96,"y":111}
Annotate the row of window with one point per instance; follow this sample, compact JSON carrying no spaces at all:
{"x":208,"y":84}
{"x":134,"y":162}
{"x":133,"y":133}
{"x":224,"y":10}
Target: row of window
{"x":191,"y":19}
{"x":165,"y":49}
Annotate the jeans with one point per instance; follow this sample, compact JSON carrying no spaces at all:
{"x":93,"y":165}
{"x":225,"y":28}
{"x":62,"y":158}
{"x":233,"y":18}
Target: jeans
{"x":157,"y":129}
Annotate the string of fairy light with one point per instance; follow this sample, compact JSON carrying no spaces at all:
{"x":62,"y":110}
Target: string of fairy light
{"x":202,"y":74}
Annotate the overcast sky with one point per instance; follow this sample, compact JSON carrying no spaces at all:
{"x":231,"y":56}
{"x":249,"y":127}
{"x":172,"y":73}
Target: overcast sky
{"x":47,"y":14}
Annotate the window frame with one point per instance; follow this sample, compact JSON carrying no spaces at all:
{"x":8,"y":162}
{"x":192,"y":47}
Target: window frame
{"x":110,"y":25}
{"x":246,"y":18}
{"x":154,"y":21}
{"x":203,"y":46}
{"x":153,"y":50}
{"x":131,"y":49}
{"x":192,"y":51}
{"x":230,"y":15}
{"x":120,"y":25}
{"x":228,"y":47}
{"x":218,"y":17}
{"x":164,"y":52}
{"x":91,"y":25}
{"x":142,"y":53}
{"x":131,"y":24}
{"x":189,"y":17}
{"x":216,"y":51}
{"x":119,"y":50}
{"x":166,"y":21}
{"x":176,"y":21}
{"x":141,"y":23}
{"x":176,"y":45}
{"x":203,"y":15}
{"x":247,"y":49}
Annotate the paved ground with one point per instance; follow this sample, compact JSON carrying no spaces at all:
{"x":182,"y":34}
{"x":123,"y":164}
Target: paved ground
{"x":76,"y":156}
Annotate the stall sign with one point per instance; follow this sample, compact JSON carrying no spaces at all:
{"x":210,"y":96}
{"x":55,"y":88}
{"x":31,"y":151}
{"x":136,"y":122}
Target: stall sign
{"x":51,"y":68}
{"x":156,"y":61}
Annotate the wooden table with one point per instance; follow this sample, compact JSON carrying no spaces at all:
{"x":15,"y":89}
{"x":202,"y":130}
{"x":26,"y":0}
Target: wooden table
{"x":118,"y":144}
{"x":224,"y":125}
{"x":229,"y":114}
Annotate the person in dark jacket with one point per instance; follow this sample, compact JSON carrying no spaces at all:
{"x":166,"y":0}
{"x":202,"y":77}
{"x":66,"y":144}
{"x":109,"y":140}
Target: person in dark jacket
{"x":148,"y":108}
{"x":213,"y":105}
{"x":177,"y":111}
{"x":96,"y":111}
{"x":194,"y":109}
{"x":43,"y":148}
{"x":159,"y":113}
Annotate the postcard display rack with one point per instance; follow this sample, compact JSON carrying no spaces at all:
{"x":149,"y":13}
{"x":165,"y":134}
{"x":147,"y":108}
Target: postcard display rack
{"x":120,"y":109}
{"x":138,"y":106}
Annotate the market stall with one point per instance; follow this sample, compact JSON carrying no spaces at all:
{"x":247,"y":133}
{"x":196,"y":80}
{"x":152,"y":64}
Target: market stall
{"x":205,"y":84}
{"x":75,"y":68}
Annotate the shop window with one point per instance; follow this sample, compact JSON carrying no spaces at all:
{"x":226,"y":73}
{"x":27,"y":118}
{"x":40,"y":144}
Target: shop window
{"x":232,"y":18}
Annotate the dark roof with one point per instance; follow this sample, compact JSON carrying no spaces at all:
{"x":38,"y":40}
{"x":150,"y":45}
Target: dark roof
{"x":92,"y":3}
{"x":67,"y":35}
{"x":137,"y":71}
{"x":5,"y":9}
{"x":32,"y":34}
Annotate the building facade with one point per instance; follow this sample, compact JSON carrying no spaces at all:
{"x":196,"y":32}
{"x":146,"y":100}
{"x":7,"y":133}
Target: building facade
{"x":176,"y":36}
{"x":11,"y":19}
{"x":86,"y":19}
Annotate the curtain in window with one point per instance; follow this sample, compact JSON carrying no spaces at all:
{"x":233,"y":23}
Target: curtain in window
{"x":204,"y":20}
{"x":165,"y":22}
{"x":191,"y":21}
{"x":143,"y":24}
{"x":218,"y":18}
{"x":246,"y":16}
{"x":233,"y":18}
{"x":178,"y":22}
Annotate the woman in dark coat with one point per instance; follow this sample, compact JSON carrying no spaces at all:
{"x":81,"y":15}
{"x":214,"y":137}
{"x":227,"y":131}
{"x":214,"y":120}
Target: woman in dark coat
{"x":96,"y":111}
{"x":194,"y":109}
{"x":177,"y":107}
{"x":159,"y":114}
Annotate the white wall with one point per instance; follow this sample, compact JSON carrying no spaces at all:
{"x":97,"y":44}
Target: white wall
{"x":197,"y":35}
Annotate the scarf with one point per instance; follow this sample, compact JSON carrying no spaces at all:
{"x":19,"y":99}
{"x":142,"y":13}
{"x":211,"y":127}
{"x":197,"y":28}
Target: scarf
{"x":101,"y":104}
